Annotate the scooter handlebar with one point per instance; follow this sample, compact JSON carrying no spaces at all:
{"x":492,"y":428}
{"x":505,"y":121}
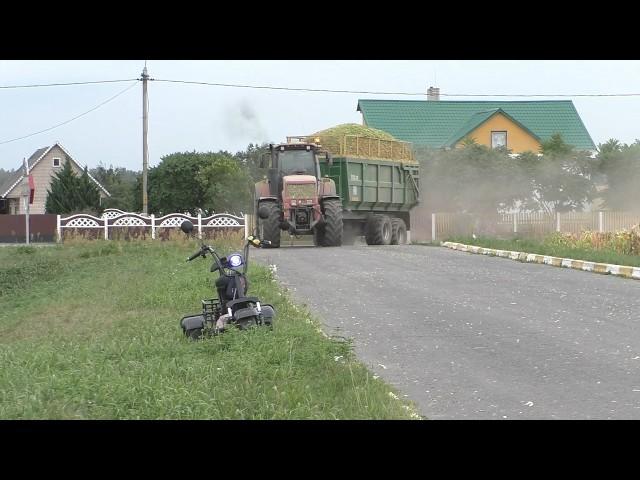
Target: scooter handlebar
{"x":195,"y":255}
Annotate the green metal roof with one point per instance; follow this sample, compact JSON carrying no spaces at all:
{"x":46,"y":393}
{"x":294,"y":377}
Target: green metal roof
{"x":478,"y":119}
{"x":435,"y":123}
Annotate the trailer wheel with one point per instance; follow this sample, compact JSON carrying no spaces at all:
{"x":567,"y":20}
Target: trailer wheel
{"x":398,"y":232}
{"x":269,"y":227}
{"x":378,"y":230}
{"x":333,"y":223}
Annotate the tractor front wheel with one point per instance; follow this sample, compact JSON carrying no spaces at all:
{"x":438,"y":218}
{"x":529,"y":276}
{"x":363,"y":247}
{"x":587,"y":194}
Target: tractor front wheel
{"x":269,"y":227}
{"x":333,"y":223}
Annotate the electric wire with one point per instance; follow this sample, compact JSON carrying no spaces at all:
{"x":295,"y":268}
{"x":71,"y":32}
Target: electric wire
{"x":72,"y":119}
{"x":369,"y":92}
{"x":66,"y":84}
{"x":327,"y":90}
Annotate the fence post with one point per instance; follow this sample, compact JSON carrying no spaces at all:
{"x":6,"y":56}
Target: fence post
{"x":515,"y":223}
{"x":557,"y":221}
{"x":246,"y":226}
{"x":59,"y":229}
{"x":106,"y":226}
{"x":433,"y":227}
{"x":601,"y":221}
{"x":153,"y":227}
{"x":199,"y":225}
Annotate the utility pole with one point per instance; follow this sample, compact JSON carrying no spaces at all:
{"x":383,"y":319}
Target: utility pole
{"x":27,"y":194}
{"x":145,"y":147}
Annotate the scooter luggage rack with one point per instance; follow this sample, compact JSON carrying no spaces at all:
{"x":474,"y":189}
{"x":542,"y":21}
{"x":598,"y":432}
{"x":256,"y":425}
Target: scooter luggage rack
{"x":211,"y":309}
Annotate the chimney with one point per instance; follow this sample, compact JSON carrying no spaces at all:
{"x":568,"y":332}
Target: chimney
{"x":433,"y":94}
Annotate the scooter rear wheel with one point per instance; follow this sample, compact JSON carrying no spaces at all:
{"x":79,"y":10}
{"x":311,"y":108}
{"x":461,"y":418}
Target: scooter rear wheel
{"x":194,"y":333}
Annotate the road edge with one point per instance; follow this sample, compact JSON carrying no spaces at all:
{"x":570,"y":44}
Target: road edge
{"x":586,"y":266}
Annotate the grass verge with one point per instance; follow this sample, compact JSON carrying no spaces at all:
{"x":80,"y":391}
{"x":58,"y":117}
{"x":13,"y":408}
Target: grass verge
{"x":90,"y":330}
{"x":542,"y":248}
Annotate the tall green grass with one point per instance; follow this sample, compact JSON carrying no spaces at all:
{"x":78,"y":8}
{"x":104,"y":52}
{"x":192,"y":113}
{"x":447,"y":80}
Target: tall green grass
{"x":90,"y":330}
{"x":552,"y":249}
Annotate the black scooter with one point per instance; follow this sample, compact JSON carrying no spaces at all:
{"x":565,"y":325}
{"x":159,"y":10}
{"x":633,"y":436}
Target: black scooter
{"x":232,"y":307}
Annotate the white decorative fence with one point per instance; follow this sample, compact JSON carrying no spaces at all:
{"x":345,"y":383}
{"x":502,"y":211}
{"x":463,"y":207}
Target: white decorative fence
{"x":113,"y":220}
{"x":530,"y":225}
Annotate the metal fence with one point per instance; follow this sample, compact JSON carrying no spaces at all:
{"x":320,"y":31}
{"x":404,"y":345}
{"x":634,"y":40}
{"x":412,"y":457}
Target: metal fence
{"x":529,"y":225}
{"x":116,"y":224}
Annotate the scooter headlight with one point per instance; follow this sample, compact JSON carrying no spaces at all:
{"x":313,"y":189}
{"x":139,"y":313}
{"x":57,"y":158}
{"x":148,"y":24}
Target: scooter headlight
{"x":235,"y":260}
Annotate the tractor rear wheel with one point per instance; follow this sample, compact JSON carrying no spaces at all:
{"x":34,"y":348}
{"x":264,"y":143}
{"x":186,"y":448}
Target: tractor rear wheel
{"x":378,"y":230}
{"x":398,"y":232}
{"x":269,"y":227}
{"x":333,"y":223}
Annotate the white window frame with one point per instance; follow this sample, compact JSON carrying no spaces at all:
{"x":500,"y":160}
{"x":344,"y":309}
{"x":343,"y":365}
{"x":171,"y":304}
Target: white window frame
{"x":505,"y":138}
{"x":59,"y":162}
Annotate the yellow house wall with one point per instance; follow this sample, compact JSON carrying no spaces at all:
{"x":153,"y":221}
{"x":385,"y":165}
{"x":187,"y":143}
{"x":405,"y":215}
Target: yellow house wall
{"x":518,"y":139}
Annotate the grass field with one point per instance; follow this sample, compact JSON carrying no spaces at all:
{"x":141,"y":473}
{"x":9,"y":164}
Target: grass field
{"x":91,"y":331}
{"x":543,"y":248}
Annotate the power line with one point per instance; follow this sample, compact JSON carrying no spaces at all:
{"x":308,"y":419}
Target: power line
{"x":72,"y":119}
{"x":266,"y":87}
{"x":421,"y":94}
{"x":326,"y":90}
{"x":65,"y":84}
{"x":539,"y":95}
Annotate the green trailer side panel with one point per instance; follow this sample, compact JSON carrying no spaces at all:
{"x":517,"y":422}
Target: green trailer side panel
{"x":373,"y":185}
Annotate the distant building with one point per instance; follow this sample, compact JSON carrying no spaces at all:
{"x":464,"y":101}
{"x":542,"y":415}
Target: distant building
{"x":43,"y":165}
{"x":519,"y":126}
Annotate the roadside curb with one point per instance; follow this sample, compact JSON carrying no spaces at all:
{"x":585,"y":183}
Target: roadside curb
{"x":604,"y":268}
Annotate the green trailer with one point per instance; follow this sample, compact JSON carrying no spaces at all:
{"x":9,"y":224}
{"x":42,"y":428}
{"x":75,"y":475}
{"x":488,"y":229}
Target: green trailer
{"x":376,"y":196}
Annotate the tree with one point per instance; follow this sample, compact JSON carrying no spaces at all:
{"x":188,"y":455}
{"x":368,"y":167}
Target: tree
{"x":226,"y":184}
{"x":4,"y":174}
{"x":250,"y":159}
{"x":620,"y":164}
{"x":69,"y":193}
{"x":561,"y":178}
{"x":121,"y":184}
{"x":477,"y":179}
{"x":88,"y":193}
{"x":471,"y":178}
{"x":185,"y":182}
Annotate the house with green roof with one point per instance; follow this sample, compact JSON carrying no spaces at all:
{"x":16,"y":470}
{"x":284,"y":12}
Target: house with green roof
{"x":519,"y":126}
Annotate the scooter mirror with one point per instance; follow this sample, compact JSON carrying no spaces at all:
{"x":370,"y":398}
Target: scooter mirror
{"x":263,"y":212}
{"x":186,"y":227}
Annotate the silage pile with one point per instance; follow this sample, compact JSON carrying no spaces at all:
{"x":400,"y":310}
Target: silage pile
{"x":355,"y":140}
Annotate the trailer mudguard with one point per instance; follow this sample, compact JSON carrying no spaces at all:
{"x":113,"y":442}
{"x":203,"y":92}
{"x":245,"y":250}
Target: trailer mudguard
{"x":192,"y":321}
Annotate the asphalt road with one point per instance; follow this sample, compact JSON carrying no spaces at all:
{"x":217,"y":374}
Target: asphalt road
{"x":473,"y":337}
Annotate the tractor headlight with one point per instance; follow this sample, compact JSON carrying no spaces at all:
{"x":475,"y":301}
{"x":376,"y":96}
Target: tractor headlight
{"x":235,"y":260}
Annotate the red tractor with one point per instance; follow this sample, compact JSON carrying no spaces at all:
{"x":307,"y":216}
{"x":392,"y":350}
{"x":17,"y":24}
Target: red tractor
{"x":294,"y":197}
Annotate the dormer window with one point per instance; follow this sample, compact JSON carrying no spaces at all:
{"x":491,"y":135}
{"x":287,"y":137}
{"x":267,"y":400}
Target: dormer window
{"x":498,"y":139}
{"x":56,"y":162}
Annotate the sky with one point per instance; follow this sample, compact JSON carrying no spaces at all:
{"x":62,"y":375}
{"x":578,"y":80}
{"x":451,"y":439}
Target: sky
{"x":207,"y":118}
